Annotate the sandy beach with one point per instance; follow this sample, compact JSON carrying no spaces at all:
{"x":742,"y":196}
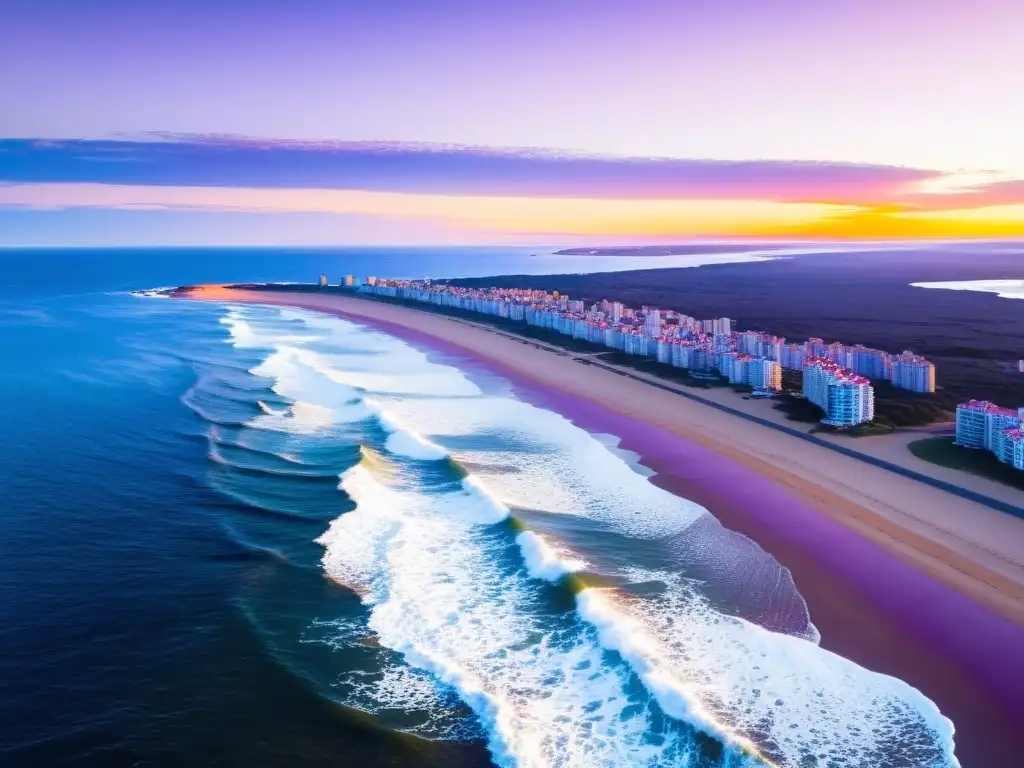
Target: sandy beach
{"x":899,"y":576}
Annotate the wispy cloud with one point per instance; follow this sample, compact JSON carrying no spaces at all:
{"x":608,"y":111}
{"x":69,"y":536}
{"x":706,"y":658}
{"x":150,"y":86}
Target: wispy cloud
{"x":224,"y":161}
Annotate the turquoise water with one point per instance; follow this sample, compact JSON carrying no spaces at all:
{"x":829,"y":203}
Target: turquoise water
{"x":248,"y":535}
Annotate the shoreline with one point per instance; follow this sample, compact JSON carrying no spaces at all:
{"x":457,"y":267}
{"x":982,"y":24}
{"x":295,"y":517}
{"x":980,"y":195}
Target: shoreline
{"x":882,"y":595}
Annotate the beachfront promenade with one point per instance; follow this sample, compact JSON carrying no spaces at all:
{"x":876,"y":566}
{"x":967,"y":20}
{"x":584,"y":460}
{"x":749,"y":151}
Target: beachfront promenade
{"x":594,"y":360}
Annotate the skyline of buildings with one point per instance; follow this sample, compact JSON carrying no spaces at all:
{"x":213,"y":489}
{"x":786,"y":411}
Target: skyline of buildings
{"x":836,"y":376}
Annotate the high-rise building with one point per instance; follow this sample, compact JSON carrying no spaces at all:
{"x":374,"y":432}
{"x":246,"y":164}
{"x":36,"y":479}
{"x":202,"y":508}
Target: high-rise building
{"x":323,"y":280}
{"x":913,"y":372}
{"x":763,"y":373}
{"x":747,"y":342}
{"x":872,"y":363}
{"x":846,"y":398}
{"x":815,"y":347}
{"x":792,"y":356}
{"x":986,"y":426}
{"x":979,"y":422}
{"x":652,"y":322}
{"x":720,"y":326}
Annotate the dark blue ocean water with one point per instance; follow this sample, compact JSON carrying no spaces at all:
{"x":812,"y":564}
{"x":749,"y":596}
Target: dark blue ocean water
{"x":166,"y":471}
{"x":131,"y":592}
{"x":126,"y":629}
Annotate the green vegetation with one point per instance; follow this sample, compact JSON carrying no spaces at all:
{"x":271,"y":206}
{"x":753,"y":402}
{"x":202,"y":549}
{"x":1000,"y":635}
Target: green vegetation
{"x":945,"y":453}
{"x":893,"y":408}
{"x":798,"y":408}
{"x":901,"y":408}
{"x":870,"y":429}
{"x":661,"y":370}
{"x":792,"y":381}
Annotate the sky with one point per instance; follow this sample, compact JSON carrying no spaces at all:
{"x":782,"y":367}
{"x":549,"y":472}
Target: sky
{"x":537,"y":121}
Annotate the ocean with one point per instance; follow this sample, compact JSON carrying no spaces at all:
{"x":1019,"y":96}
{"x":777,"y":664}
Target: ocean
{"x":245,"y":535}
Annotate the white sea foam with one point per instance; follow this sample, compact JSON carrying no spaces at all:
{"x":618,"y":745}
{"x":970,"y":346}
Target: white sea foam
{"x":317,"y":401}
{"x":414,"y":447}
{"x":1005,"y":289}
{"x":271,"y":411}
{"x":411,"y":699}
{"x":559,"y":468}
{"x":238,"y":321}
{"x":440,"y":596}
{"x":782,"y":696}
{"x":404,"y":442}
{"x":544,"y":562}
{"x":163,"y":292}
{"x":677,"y":696}
{"x":444,"y":595}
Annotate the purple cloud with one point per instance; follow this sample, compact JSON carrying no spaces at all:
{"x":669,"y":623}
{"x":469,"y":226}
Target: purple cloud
{"x":228,"y":161}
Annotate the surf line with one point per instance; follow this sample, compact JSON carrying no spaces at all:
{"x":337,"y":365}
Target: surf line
{"x":616,"y":632}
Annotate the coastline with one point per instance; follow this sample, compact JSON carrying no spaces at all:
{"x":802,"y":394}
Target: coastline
{"x":895,"y":589}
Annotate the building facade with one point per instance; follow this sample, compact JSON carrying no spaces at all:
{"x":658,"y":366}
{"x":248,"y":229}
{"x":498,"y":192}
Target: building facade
{"x":846,"y":398}
{"x":982,"y":425}
{"x":913,"y":372}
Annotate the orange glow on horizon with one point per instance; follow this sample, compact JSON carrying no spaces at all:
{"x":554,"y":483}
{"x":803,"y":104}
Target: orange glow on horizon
{"x":481,"y":217}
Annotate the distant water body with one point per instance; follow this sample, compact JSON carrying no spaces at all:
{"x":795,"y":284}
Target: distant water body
{"x":258,"y":536}
{"x":1005,"y":289}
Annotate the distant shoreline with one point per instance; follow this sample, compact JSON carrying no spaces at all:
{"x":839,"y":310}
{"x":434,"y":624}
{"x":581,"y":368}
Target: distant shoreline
{"x":671,"y":250}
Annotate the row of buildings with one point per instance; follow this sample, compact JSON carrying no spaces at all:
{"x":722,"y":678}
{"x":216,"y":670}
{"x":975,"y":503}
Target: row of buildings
{"x":982,"y":425}
{"x":836,"y":377}
{"x":905,"y":370}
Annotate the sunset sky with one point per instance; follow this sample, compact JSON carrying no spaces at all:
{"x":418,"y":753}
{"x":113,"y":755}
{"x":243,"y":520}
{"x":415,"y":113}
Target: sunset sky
{"x":537,"y":121}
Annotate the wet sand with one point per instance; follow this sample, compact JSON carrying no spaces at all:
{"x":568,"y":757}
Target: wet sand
{"x":881,"y":595}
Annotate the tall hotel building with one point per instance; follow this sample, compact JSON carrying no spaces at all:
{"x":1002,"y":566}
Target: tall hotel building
{"x":979,"y":422}
{"x":763,"y":373}
{"x":719,"y":327}
{"x":846,"y":398}
{"x":652,"y":322}
{"x":758,"y":372}
{"x":913,"y":372}
{"x":792,"y":356}
{"x":986,"y":426}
